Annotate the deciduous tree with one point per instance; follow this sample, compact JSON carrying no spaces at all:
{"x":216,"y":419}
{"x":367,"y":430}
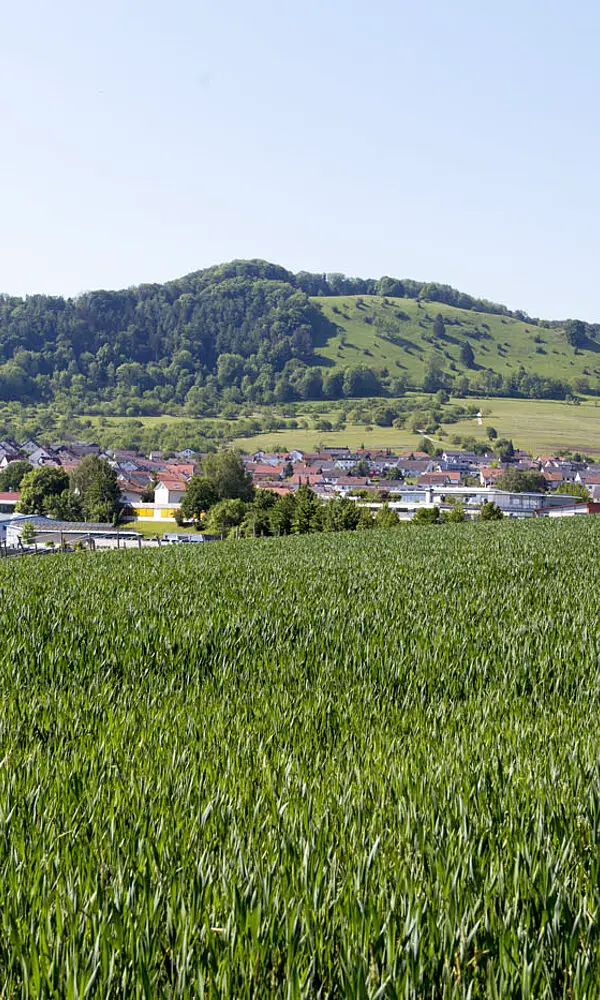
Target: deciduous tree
{"x":39,"y":486}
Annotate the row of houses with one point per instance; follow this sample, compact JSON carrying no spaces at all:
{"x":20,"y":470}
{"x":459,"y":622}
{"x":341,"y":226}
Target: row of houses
{"x":153,"y":486}
{"x":340,"y":470}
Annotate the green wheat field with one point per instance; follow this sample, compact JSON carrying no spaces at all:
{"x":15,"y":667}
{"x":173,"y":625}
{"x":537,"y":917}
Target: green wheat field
{"x":361,"y":766}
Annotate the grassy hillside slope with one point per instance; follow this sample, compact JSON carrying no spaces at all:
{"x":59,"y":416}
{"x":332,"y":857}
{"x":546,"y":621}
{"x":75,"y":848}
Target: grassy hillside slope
{"x":399,"y":334}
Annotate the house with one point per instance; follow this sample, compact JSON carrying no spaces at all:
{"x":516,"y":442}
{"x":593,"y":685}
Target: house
{"x":337,"y":452}
{"x":185,"y":469}
{"x":9,"y":452}
{"x":567,"y":470}
{"x":273,"y":486}
{"x":126,"y":465}
{"x":317,"y":457}
{"x":8,"y":502}
{"x":439,"y":479}
{"x":261,"y":471}
{"x":415,"y":455}
{"x":414,"y":467}
{"x":379,"y":463}
{"x":145,"y":465}
{"x":124,"y":454}
{"x":75,"y":450}
{"x":553,"y":477}
{"x":489,"y":476}
{"x":461,"y":460}
{"x":349,"y":484}
{"x":304,"y":469}
{"x":305,"y":479}
{"x":40,"y":456}
{"x":131,"y":492}
{"x":169,"y":491}
{"x":29,"y":446}
{"x":587,"y":478}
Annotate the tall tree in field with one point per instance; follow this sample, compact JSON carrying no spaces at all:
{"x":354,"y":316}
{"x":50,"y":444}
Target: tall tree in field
{"x":434,"y":377}
{"x":439,"y":328}
{"x":225,"y":515}
{"x":516,"y":481}
{"x":200,"y":495}
{"x":307,"y":513}
{"x":95,"y":483}
{"x":229,"y":476}
{"x":489,"y":512}
{"x":28,"y":533}
{"x":282,"y":513}
{"x":575,"y":332}
{"x":577,"y":490}
{"x":467,"y":355}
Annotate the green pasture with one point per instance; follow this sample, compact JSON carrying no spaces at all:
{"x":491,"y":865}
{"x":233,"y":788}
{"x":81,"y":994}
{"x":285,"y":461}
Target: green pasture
{"x":539,"y":426}
{"x":397,"y":334}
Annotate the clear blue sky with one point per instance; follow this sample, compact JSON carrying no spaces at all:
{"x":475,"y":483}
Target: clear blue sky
{"x":449,"y":141}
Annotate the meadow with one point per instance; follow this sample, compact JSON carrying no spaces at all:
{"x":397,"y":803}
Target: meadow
{"x":359,"y":766}
{"x":542,"y":427}
{"x":152,"y":528}
{"x":396,"y":333}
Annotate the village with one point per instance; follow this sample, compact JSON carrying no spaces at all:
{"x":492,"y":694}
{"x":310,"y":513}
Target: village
{"x":152,"y":487}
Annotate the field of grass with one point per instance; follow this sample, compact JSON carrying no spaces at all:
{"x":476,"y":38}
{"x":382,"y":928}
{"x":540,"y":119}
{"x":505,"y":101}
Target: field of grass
{"x":305,"y":767}
{"x":158,"y":527}
{"x":397,"y":334}
{"x":355,"y":436}
{"x":539,"y":426}
{"x":102,"y":421}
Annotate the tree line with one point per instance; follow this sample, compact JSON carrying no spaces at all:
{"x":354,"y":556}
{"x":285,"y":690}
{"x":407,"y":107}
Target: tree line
{"x":221,"y":500}
{"x":239,"y":333}
{"x":89,"y":493}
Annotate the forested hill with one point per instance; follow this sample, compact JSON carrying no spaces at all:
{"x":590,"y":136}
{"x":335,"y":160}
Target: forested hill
{"x":253,"y":332}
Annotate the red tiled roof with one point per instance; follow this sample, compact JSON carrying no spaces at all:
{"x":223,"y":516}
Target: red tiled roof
{"x":172,"y":484}
{"x":278,"y":488}
{"x":435,"y":479}
{"x":262,"y":469}
{"x":181,"y":469}
{"x":9,"y":497}
{"x":301,"y":469}
{"x":126,"y":486}
{"x":358,"y":481}
{"x":306,"y":480}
